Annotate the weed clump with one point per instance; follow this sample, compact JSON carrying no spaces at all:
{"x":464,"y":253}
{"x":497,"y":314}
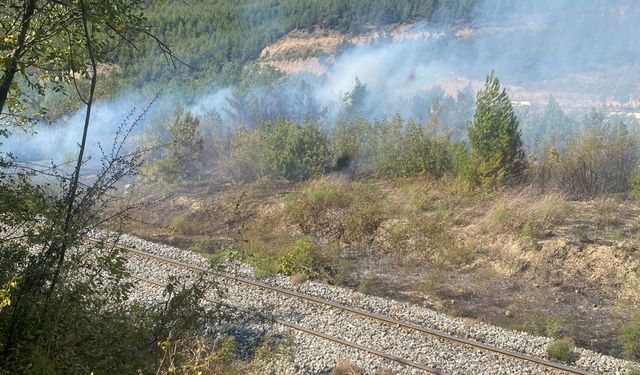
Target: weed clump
{"x":632,"y":370}
{"x":562,"y":350}
{"x":449,"y":252}
{"x":204,"y":246}
{"x":299,"y":259}
{"x":181,"y":225}
{"x":363,"y":219}
{"x":312,"y":209}
{"x":431,"y":282}
{"x":529,"y":230}
{"x":545,"y":324}
{"x":629,"y":338}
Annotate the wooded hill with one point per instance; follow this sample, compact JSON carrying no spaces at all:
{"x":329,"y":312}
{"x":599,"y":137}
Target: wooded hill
{"x":215,"y":39}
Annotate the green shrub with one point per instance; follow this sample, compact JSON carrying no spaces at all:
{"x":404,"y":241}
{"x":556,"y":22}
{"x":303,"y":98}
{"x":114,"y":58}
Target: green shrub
{"x":347,"y":141}
{"x":291,"y":150}
{"x":41,"y":365}
{"x":224,"y":254}
{"x":300,"y":258}
{"x":204,"y":245}
{"x":529,"y":230}
{"x":392,"y":148}
{"x":265,"y":265}
{"x":629,"y":338}
{"x":615,"y":234}
{"x":227,"y":349}
{"x":431,"y":282}
{"x":180,"y":160}
{"x":282,"y":149}
{"x":634,"y":187}
{"x":180,"y":224}
{"x":463,"y":167}
{"x":562,"y":350}
{"x":365,"y":284}
{"x":343,"y":269}
{"x":545,"y":324}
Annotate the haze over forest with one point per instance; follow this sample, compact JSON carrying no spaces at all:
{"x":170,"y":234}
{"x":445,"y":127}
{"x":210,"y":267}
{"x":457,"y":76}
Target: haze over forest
{"x":582,"y":55}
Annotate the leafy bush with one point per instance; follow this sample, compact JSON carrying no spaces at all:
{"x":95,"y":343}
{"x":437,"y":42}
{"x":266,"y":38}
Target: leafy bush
{"x":347,"y":141}
{"x":182,"y":225}
{"x":600,"y":160}
{"x":282,"y":149}
{"x":300,"y":258}
{"x":634,"y":187}
{"x":365,"y":284}
{"x":224,"y":254}
{"x":529,"y":230}
{"x":391,"y":148}
{"x":243,"y":163}
{"x":227,"y":349}
{"x":203,"y":245}
{"x":544,"y":324}
{"x":192,"y":357}
{"x":629,"y":338}
{"x":562,"y":349}
{"x":265,"y":265}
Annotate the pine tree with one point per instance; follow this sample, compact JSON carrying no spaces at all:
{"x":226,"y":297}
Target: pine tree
{"x":496,"y":145}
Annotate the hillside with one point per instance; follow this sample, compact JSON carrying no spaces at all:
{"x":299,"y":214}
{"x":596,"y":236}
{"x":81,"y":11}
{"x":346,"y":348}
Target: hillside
{"x":538,"y":263}
{"x":334,"y":187}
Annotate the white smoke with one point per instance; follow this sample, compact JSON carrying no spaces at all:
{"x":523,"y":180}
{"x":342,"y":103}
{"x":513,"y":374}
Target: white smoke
{"x":585,"y":52}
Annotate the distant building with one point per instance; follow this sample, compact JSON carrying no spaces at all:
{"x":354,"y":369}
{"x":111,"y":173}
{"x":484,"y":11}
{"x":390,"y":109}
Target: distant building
{"x":634,"y":115}
{"x":521,"y":103}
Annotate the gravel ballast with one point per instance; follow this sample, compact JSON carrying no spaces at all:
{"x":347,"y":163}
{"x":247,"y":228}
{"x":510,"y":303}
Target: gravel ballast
{"x":312,"y":355}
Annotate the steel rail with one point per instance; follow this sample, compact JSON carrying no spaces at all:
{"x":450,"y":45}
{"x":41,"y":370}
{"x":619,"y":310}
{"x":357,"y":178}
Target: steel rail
{"x":364,"y":313}
{"x":321,"y":335}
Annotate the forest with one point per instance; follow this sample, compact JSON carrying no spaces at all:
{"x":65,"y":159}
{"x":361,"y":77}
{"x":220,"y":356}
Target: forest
{"x":215,"y":39}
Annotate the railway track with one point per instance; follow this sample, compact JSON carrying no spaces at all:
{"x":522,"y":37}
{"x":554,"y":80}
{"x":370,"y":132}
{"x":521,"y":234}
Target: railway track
{"x":531,"y":360}
{"x":312,"y":332}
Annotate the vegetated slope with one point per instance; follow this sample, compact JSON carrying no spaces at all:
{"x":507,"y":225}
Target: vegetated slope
{"x":514,"y":258}
{"x":217,"y":38}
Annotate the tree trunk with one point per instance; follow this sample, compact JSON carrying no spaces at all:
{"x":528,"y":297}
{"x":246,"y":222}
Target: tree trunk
{"x":12,"y":64}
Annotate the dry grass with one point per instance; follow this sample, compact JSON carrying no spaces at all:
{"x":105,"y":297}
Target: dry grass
{"x":526,"y":212}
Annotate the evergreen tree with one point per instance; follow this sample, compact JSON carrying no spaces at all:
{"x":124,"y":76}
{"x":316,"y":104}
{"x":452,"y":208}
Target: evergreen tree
{"x":496,"y":145}
{"x":183,"y":150}
{"x":354,"y":100}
